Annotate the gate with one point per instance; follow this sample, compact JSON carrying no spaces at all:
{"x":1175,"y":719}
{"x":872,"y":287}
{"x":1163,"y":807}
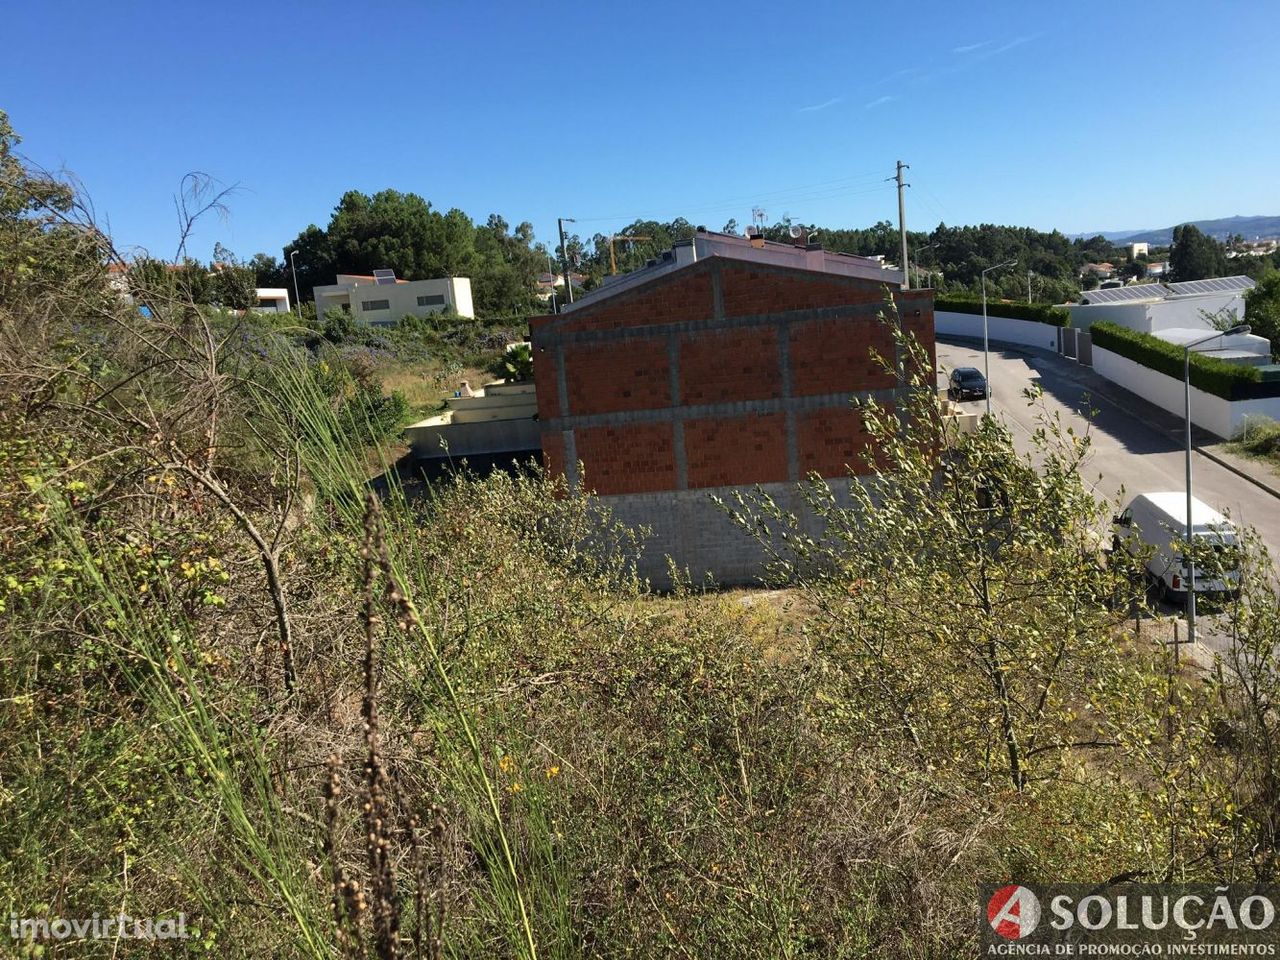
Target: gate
{"x":1067,"y":342}
{"x":1084,"y":347}
{"x":1076,"y":345}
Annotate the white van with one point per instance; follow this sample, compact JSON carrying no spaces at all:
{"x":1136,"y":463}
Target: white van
{"x":1157,"y":522}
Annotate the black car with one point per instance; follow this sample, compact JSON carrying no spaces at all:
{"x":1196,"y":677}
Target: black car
{"x":967,"y":383}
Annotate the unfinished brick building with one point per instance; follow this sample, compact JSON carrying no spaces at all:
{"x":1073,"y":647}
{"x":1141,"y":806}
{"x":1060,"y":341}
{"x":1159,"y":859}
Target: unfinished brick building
{"x":724,"y":364}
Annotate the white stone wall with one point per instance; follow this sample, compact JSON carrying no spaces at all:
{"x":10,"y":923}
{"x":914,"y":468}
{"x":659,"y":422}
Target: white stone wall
{"x":999,"y":329}
{"x":1225,"y":418}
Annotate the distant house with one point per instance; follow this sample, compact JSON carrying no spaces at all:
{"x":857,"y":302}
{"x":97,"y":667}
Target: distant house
{"x":382,"y":300}
{"x":1103,"y":271}
{"x":1176,"y":312}
{"x":553,"y":283}
{"x":1137,"y":250}
{"x":1158,"y":269}
{"x":272,"y":300}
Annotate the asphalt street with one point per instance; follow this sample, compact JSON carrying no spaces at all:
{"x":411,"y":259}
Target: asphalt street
{"x":1137,"y":447}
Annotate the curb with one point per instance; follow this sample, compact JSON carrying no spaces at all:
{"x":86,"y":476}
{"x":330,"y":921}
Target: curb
{"x":1260,"y":484}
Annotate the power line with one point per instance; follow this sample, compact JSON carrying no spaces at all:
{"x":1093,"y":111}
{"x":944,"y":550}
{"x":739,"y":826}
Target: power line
{"x":787,"y":195}
{"x":701,"y":210}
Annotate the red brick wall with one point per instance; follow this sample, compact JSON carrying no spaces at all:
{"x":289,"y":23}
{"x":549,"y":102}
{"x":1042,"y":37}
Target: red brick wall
{"x":742,"y":450}
{"x":553,"y":455}
{"x":627,"y":458}
{"x":834,"y":356}
{"x":831,"y":441}
{"x":609,"y":377}
{"x":544,"y":378}
{"x":685,"y":296}
{"x":719,"y":366}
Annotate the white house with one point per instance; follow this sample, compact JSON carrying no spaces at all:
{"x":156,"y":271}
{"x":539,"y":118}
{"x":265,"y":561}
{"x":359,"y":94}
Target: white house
{"x":381,"y":299}
{"x":1177,"y":312}
{"x":272,"y":300}
{"x":1137,"y":250}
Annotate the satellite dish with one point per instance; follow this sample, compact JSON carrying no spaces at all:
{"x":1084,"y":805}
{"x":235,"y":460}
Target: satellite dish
{"x":796,"y":231}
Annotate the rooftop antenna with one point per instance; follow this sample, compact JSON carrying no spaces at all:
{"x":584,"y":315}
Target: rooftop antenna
{"x":757,"y":216}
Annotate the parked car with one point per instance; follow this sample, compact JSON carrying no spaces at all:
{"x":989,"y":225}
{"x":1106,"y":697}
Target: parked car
{"x":967,"y":383}
{"x":1155,"y":525}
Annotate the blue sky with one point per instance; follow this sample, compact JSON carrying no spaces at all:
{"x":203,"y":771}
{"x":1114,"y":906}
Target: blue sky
{"x":1042,"y":114}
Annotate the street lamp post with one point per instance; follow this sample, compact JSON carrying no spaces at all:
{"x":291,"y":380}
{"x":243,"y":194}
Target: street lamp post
{"x":551,"y":272}
{"x":1186,"y":411}
{"x":920,"y":250}
{"x":986,"y":351}
{"x":293,"y":266}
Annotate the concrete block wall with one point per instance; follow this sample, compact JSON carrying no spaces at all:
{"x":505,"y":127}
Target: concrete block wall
{"x":702,"y":538}
{"x":720,"y":373}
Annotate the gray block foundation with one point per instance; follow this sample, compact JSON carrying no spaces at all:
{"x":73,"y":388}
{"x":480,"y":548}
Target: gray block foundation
{"x":702,"y":538}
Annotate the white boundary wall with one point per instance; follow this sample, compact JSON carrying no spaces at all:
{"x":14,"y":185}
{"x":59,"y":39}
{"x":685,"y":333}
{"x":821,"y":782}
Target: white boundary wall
{"x":1222,"y":417}
{"x":1002,"y":329}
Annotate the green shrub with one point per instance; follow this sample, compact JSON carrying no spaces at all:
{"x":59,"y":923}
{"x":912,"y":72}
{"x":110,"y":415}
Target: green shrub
{"x":339,"y":324}
{"x":514,"y":365}
{"x":1260,"y":436}
{"x":1210,"y":374}
{"x":1036,"y":312}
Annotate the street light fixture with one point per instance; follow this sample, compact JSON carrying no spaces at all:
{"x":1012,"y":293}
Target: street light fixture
{"x":986,"y":352}
{"x":920,"y":250}
{"x":1186,"y":395}
{"x":297,"y":300}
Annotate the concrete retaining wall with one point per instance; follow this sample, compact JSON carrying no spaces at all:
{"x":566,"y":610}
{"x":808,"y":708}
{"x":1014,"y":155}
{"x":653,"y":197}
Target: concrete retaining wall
{"x":999,"y":329}
{"x":1225,"y":418}
{"x":467,"y":439}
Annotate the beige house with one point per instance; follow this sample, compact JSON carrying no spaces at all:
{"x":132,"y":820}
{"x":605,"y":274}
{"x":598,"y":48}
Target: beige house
{"x":382,"y":300}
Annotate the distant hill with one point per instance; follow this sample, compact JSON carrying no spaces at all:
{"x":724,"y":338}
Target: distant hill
{"x":1251,"y":228}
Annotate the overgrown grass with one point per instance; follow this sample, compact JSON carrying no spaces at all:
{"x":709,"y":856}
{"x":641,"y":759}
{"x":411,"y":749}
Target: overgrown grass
{"x":1259,"y":438}
{"x":234,"y":686}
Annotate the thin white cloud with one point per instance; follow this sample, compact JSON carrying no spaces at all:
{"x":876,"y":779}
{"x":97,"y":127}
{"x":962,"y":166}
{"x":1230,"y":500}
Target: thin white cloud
{"x":878,"y":101}
{"x":821,"y":106}
{"x":906,"y":73}
{"x":1015,"y":42}
{"x":970,"y":47}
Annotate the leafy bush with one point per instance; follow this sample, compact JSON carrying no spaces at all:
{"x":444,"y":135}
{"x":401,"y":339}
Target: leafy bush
{"x":1210,"y":374}
{"x":515,"y":364}
{"x":1260,"y":437}
{"x":1036,"y":312}
{"x":339,"y":324}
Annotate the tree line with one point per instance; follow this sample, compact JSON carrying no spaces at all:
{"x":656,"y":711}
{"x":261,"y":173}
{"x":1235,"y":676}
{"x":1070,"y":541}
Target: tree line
{"x":405,"y":233}
{"x":951,"y":259}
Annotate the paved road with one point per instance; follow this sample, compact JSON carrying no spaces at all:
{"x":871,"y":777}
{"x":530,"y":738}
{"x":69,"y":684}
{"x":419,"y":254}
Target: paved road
{"x":1136,"y":445}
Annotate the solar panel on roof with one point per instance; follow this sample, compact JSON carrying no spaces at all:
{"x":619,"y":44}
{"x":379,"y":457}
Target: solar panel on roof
{"x":384,"y":276}
{"x":1141,"y":291}
{"x":1214,"y":285}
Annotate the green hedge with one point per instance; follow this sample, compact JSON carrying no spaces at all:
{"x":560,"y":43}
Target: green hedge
{"x":1036,"y":312}
{"x":1231,"y":381}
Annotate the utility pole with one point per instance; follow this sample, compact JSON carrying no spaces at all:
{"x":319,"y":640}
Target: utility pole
{"x":902,"y":222}
{"x":1028,"y":286}
{"x":564,"y":256}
